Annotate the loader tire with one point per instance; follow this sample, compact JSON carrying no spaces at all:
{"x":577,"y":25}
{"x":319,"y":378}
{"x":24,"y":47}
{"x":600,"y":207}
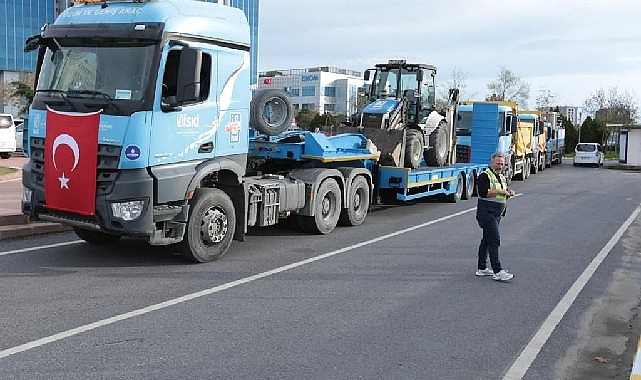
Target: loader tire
{"x":413,"y":148}
{"x":437,"y":154}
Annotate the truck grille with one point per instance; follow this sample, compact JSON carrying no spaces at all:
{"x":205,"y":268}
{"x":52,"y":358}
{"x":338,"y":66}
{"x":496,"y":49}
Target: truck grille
{"x":106,"y":165}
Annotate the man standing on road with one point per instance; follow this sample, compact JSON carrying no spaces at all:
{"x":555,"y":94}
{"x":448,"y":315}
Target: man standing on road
{"x":493,"y":194}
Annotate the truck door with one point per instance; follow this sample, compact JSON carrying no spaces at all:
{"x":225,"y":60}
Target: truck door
{"x":185,"y":120}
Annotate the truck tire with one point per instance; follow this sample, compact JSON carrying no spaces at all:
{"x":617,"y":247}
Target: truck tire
{"x":5,"y":155}
{"x":534,"y":166}
{"x":327,"y":209}
{"x":437,"y":154}
{"x":413,"y":148}
{"x":456,"y":196}
{"x":542,"y":163}
{"x":470,"y":183}
{"x":210,"y":227}
{"x":358,"y":203}
{"x":95,"y":237}
{"x":271,"y":112}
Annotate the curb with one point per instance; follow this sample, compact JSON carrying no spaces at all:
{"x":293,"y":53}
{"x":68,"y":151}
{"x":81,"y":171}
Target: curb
{"x":18,"y":226}
{"x":636,"y":364}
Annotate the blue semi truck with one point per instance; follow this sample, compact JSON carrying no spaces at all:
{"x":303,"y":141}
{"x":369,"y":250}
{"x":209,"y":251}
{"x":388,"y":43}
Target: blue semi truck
{"x":183,"y":154}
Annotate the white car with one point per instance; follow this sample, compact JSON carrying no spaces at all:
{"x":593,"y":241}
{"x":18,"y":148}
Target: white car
{"x":588,"y":154}
{"x":19,"y":132}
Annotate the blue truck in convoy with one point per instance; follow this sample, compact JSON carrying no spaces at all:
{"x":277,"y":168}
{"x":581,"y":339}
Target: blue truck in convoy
{"x":183,"y":154}
{"x":486,"y":127}
{"x":555,"y":132}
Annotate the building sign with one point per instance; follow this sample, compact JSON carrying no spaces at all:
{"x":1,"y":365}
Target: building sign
{"x":309,"y":78}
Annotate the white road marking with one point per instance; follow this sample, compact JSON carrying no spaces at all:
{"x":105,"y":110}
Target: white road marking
{"x":11,"y":180}
{"x":135,"y":313}
{"x":30,"y":249}
{"x":530,"y":352}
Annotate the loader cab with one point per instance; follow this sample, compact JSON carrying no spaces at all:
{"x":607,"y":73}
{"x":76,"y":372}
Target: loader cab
{"x":399,"y":80}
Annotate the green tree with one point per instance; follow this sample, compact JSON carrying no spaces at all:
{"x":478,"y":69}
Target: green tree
{"x":593,"y":130}
{"x":323,"y":120}
{"x":304,"y":119}
{"x":571,"y":134}
{"x":509,"y":87}
{"x":22,"y":90}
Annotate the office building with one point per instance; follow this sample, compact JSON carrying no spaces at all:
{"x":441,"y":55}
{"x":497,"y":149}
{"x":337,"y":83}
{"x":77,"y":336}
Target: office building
{"x":321,"y":89}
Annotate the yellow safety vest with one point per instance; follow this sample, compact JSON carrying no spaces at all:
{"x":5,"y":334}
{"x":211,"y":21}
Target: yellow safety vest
{"x":496,"y":183}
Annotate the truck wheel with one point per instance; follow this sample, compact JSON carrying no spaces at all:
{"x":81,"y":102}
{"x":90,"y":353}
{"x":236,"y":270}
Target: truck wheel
{"x":436,"y":155}
{"x":541,"y":164}
{"x":470,"y":183}
{"x":211,"y":226}
{"x":413,"y":148}
{"x":271,"y":112}
{"x":356,"y":211}
{"x":456,"y":196}
{"x":535,"y":167}
{"x":95,"y":237}
{"x":5,"y":155}
{"x":327,"y":209}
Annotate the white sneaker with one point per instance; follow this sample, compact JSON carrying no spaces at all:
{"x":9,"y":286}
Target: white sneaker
{"x":503,"y":276}
{"x":484,"y":272}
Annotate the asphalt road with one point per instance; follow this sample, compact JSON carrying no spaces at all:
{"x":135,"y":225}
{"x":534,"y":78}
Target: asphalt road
{"x":395,"y":298}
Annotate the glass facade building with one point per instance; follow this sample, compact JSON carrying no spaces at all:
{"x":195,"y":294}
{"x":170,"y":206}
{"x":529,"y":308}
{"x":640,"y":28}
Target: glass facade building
{"x":250,"y":7}
{"x":20,"y":19}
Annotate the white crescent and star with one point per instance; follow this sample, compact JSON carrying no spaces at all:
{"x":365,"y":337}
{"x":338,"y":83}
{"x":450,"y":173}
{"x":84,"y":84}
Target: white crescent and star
{"x":65,"y":139}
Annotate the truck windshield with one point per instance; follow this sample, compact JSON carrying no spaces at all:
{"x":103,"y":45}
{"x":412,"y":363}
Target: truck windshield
{"x":108,"y":68}
{"x":386,"y":83}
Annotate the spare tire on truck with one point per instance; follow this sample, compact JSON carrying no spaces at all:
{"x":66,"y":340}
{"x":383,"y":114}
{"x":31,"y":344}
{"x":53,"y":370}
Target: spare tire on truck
{"x":271,"y":112}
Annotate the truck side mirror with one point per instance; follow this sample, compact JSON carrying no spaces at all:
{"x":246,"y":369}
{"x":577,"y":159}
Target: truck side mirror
{"x":366,"y":76}
{"x":188,"y":81}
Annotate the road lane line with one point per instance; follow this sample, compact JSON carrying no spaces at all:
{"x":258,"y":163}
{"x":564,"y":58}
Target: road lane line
{"x":23,"y":250}
{"x":530,"y":352}
{"x":135,"y":313}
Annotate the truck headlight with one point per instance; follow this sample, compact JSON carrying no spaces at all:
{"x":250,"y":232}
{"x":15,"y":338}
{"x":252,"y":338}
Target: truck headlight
{"x":26,"y":195}
{"x":127,"y":210}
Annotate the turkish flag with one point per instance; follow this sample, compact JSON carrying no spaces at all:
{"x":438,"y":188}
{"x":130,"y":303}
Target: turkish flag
{"x":71,"y":157}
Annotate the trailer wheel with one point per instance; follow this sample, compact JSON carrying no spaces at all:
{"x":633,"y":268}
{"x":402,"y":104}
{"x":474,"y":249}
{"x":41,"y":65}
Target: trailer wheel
{"x":470,"y":183}
{"x":413,"y":148}
{"x":5,"y":155}
{"x":271,"y":112}
{"x":437,"y":154}
{"x":356,"y":211}
{"x":456,"y":196}
{"x":96,"y":237}
{"x":327,"y":209}
{"x":210,"y":227}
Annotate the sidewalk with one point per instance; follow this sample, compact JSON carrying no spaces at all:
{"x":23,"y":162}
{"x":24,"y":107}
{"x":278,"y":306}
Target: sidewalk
{"x":13,"y":224}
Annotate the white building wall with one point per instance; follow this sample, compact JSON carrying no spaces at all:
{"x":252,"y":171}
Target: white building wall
{"x":634,"y":147}
{"x":340,"y":97}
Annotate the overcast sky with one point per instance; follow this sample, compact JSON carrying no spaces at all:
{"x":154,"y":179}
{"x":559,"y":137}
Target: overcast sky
{"x":571,"y":48}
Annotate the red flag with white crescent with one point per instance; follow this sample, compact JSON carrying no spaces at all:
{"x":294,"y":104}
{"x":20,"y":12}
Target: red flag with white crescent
{"x":70,"y":161}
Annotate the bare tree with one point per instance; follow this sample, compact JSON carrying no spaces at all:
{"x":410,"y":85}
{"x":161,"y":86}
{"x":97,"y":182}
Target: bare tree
{"x":458,"y":79}
{"x":545,"y":99}
{"x":509,"y":87}
{"x":613,"y":107}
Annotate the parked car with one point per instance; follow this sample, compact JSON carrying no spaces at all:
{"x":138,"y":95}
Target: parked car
{"x":19,"y":129}
{"x":588,"y":154}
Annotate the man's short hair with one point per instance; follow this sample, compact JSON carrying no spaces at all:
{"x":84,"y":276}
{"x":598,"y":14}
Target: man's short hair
{"x":497,"y":154}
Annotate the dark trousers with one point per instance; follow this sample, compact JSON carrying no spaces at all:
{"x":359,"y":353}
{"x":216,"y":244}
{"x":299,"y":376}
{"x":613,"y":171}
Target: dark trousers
{"x":490,"y":242}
